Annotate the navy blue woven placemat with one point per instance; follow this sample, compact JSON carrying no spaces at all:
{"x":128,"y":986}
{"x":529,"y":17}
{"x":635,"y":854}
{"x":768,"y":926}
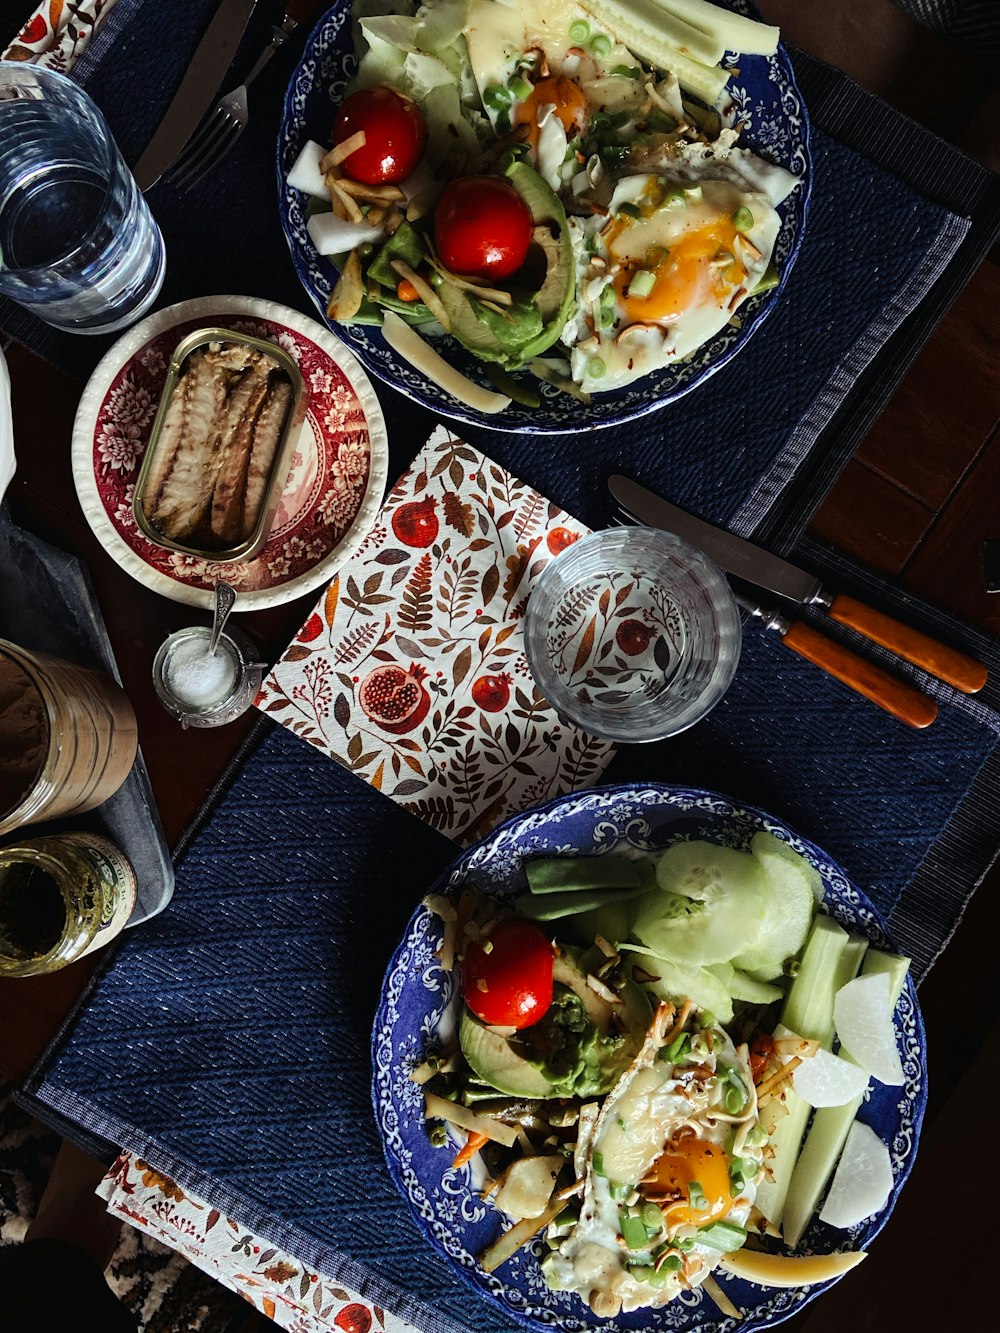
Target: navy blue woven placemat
{"x":229,"y":1044}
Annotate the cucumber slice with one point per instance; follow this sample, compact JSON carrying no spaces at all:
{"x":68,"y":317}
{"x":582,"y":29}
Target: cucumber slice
{"x":678,"y":983}
{"x":791,"y":884}
{"x":726,"y":896}
{"x":580,"y":874}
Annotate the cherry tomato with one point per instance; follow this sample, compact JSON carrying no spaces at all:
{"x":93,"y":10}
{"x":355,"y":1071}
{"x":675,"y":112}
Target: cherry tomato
{"x":482,"y":227}
{"x":511,"y":986}
{"x":395,"y":135}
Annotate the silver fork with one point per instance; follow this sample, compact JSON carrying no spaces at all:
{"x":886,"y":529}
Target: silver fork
{"x":218,"y":133}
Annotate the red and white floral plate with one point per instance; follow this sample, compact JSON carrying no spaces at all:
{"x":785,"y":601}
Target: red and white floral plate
{"x":334,"y":487}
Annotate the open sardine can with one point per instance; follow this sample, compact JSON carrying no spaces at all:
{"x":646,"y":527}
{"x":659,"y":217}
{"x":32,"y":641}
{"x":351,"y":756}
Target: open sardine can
{"x":220,"y":449}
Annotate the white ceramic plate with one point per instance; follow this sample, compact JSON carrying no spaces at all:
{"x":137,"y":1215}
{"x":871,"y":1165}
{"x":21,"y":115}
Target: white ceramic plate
{"x":336,"y":480}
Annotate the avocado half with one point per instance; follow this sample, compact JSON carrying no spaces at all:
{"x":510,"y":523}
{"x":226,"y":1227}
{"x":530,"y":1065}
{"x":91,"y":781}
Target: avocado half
{"x":542,"y":313}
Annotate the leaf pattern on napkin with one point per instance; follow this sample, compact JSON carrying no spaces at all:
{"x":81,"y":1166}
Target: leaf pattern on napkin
{"x":417,"y":680}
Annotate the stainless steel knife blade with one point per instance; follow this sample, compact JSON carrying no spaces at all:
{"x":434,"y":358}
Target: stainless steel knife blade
{"x":194,"y":96}
{"x":733,"y":554}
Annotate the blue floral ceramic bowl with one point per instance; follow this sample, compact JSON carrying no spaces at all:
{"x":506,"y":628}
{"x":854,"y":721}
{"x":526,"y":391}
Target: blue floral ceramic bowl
{"x":766,"y":98}
{"x":417,"y":1008}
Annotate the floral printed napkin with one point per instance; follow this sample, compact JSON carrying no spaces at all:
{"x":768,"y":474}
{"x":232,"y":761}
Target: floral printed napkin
{"x":271,"y":1280}
{"x":411,"y":669}
{"x":57,"y":32}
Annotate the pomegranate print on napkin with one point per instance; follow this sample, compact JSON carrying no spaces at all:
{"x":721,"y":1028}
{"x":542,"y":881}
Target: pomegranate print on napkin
{"x":411,"y":670}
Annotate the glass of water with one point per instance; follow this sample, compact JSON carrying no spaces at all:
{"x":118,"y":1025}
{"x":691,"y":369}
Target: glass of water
{"x":632,"y":634}
{"x":78,"y":245}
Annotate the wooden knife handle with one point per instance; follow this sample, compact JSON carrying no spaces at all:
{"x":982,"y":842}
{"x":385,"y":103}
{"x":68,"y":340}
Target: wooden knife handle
{"x":895,"y":696}
{"x":965,"y":673}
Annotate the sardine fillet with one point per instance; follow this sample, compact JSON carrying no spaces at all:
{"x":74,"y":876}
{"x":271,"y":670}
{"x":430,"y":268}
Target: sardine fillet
{"x":234,"y":449}
{"x":266,"y":438}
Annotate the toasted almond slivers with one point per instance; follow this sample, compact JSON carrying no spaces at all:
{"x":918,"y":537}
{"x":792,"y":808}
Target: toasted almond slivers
{"x":373,"y":194}
{"x":425,"y":291}
{"x":343,"y":199}
{"x":345,"y":299}
{"x":339,"y":151}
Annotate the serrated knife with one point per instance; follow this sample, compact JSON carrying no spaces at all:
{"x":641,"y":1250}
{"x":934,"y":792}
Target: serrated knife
{"x":762,"y":569}
{"x":202,"y":79}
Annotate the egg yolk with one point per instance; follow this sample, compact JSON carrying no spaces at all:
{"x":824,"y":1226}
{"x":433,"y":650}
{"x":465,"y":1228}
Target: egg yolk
{"x":568,"y":98}
{"x":688,"y":1162}
{"x":699,"y":268}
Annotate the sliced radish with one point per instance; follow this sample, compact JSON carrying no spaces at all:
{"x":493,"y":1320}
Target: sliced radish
{"x":305,"y":174}
{"x":335,"y":236}
{"x":827,"y":1080}
{"x":862,"y":1013}
{"x":863,"y":1181}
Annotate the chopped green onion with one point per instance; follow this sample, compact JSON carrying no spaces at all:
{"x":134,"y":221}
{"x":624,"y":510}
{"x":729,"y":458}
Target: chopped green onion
{"x":519,"y":88}
{"x":579,"y":30}
{"x":757,"y":1136}
{"x":734,"y":1100}
{"x":599,"y":121}
{"x":633,"y":1232}
{"x":659,"y":120}
{"x":627,"y":210}
{"x":642,"y":283}
{"x":738,"y":1174}
{"x":671,"y":1264}
{"x":678,"y":1048}
{"x":652,"y":1216}
{"x":619,"y":119}
{"x":708,"y":1019}
{"x":660,"y":1277}
{"x":743,"y":218}
{"x":683,"y":1243}
{"x":497,"y":98}
{"x":606,"y":307}
{"x":656,"y":255}
{"x":503,"y":122}
{"x":595,"y":369}
{"x":598,"y":1161}
{"x":627,"y":71}
{"x":725,"y":1236}
{"x":600,"y":44}
{"x":620,"y":1192}
{"x":673,"y":197}
{"x":641,"y":1272}
{"x":696,"y":1195}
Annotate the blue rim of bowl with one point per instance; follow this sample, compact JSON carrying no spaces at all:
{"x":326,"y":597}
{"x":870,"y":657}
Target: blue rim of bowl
{"x":515,"y":419}
{"x":716,"y":804}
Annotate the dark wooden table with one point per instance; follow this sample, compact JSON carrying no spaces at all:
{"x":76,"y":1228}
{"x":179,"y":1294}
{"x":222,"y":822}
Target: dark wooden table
{"x":917,"y":502}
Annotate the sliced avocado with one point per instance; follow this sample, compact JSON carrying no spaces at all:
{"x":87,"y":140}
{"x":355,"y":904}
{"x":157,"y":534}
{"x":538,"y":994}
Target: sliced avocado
{"x":495,"y":1061}
{"x":537,"y":316}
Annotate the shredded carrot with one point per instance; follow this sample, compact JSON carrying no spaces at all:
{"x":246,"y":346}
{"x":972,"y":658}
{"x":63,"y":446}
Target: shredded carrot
{"x":472,"y":1145}
{"x":406,"y":291}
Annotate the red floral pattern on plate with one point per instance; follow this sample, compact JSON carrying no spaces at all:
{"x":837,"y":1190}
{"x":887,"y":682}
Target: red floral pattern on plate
{"x":326,"y":482}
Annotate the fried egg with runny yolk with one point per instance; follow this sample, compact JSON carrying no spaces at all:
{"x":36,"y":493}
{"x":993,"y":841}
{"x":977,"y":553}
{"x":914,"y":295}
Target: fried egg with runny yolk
{"x":664,"y":272}
{"x":667,"y":1163}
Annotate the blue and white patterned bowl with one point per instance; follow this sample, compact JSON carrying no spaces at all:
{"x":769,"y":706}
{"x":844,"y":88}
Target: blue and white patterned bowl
{"x":417,"y":1008}
{"x":768,"y":100}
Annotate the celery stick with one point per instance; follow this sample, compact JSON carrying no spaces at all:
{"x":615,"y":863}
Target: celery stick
{"x":831,"y":1124}
{"x":698,"y":42}
{"x":733,"y":30}
{"x":829,"y":961}
{"x":580,"y":874}
{"x":633,"y":27}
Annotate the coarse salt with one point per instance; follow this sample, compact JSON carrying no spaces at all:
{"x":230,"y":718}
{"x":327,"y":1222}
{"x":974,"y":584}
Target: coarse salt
{"x":198,"y":678}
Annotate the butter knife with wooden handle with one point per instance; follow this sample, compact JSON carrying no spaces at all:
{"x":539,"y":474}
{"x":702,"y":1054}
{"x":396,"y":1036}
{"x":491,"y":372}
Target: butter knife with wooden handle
{"x":752,"y":564}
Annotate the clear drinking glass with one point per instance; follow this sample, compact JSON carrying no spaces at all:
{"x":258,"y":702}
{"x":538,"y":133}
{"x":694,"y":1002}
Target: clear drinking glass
{"x":78,"y":245}
{"x":632,"y":634}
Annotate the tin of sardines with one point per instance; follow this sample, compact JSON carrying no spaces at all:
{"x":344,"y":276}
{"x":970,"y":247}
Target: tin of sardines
{"x":218,"y":456}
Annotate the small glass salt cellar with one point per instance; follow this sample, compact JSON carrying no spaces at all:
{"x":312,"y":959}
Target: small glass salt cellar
{"x":205,"y":689}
